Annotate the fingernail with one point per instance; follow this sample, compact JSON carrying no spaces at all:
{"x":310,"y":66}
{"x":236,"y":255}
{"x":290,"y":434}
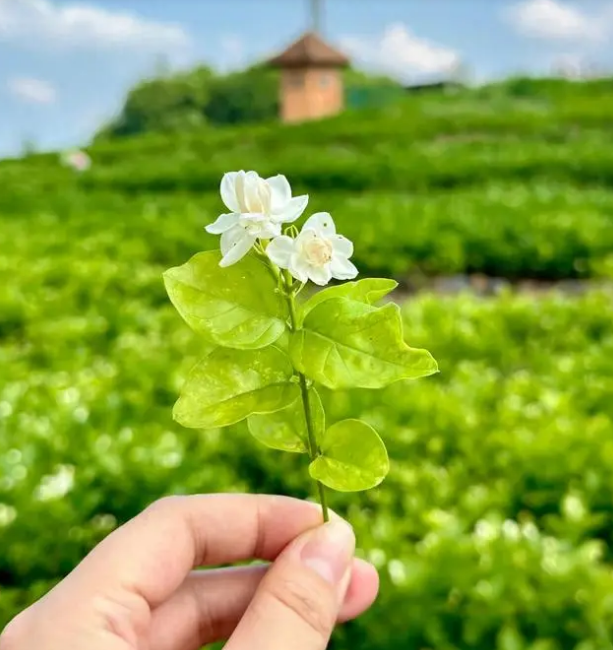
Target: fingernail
{"x":329,"y":551}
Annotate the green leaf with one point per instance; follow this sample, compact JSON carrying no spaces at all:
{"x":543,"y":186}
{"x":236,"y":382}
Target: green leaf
{"x":230,"y":385}
{"x":286,"y":429}
{"x":283,"y":342}
{"x":236,"y":307}
{"x":353,"y":457}
{"x":345,"y":344}
{"x":369,"y":290}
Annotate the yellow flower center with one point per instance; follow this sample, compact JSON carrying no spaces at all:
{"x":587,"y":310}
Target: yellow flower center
{"x":318,"y":251}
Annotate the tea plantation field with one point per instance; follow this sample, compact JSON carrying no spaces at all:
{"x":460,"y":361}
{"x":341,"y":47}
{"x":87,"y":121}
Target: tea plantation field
{"x":511,"y":180}
{"x":494,"y":529}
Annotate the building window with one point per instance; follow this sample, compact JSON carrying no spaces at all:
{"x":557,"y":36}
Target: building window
{"x":325,"y":80}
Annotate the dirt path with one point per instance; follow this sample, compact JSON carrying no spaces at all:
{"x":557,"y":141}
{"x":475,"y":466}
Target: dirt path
{"x":489,"y":286}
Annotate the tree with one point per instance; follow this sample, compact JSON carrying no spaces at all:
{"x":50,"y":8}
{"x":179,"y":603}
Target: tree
{"x":168,"y":103}
{"x":247,"y":96}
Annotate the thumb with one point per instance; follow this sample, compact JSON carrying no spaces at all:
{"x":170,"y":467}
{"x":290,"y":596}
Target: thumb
{"x":297,"y":603}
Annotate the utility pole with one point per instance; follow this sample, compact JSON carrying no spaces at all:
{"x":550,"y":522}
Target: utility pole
{"x":316,"y":11}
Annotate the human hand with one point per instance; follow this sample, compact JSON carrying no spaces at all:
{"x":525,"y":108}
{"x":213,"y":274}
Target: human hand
{"x":137,"y":589}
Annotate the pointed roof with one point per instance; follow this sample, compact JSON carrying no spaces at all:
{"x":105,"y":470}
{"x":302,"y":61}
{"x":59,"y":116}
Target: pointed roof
{"x":310,"y":50}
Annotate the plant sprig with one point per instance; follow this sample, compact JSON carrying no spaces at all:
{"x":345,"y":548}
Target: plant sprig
{"x":273,"y":349}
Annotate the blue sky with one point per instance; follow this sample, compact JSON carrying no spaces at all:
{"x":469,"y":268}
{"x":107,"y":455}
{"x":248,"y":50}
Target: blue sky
{"x":65,"y":65}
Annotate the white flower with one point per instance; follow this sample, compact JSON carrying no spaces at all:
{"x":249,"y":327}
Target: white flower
{"x":257,"y":207}
{"x":317,"y":254}
{"x":78,"y":160}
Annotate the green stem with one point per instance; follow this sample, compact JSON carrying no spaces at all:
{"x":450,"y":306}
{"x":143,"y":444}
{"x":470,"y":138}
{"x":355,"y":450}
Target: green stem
{"x":306,"y":401}
{"x":313,"y":449}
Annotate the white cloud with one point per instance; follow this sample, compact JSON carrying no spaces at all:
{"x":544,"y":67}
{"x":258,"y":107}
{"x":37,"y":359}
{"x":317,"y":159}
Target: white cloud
{"x":556,"y":20}
{"x":32,"y":91}
{"x":400,"y":53}
{"x":80,"y":25}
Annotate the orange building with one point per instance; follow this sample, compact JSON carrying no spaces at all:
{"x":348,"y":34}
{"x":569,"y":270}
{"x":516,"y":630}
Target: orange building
{"x":311,"y":79}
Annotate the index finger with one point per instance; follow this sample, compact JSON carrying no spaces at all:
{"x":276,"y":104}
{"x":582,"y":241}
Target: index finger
{"x":151,"y":555}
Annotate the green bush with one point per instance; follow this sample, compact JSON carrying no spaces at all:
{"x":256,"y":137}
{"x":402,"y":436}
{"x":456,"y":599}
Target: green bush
{"x":547,"y":230}
{"x":163,"y":104}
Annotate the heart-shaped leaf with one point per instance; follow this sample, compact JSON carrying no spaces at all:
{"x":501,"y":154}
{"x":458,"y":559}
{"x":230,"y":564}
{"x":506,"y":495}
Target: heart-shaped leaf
{"x":353,"y":457}
{"x":230,"y":385}
{"x":235,"y":307}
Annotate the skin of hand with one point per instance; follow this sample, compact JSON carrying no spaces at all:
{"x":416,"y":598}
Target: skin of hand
{"x":138,"y":590}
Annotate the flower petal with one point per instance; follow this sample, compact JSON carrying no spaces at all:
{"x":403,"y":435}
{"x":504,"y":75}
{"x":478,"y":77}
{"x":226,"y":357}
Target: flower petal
{"x":270,"y":231}
{"x":292,"y":210}
{"x":342,"y":245}
{"x":230,"y":238}
{"x":342,"y":268}
{"x":259,"y":225}
{"x":322,"y":223}
{"x":280,"y":251}
{"x":304,"y":237}
{"x":228,"y":191}
{"x":235,"y":244}
{"x":298,"y":268}
{"x":320,"y":275}
{"x":265,"y":196}
{"x":281,"y":193}
{"x":224,"y":222}
{"x":251,"y":193}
